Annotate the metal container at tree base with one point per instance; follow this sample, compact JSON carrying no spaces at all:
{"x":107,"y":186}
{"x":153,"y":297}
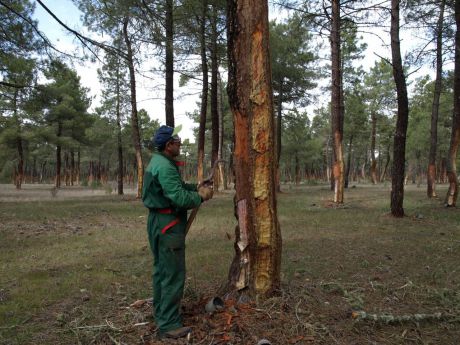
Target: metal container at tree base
{"x":214,"y":304}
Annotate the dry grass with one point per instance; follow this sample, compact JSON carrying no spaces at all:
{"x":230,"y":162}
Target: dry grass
{"x":71,"y":266}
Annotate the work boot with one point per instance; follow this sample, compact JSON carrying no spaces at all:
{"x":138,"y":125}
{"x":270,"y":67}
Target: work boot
{"x":177,"y":333}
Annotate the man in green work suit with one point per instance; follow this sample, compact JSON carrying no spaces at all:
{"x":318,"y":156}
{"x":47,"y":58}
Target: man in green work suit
{"x":168,"y":198}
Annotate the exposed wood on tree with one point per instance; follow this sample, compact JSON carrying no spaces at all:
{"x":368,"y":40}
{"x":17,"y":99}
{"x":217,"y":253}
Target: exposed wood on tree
{"x":452,"y":192}
{"x":256,"y":266}
{"x":399,"y":147}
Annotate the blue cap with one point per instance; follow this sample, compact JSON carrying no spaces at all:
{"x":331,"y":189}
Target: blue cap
{"x":164,"y":134}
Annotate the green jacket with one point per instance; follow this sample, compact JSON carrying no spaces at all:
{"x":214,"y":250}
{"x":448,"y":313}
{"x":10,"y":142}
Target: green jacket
{"x":163,"y":186}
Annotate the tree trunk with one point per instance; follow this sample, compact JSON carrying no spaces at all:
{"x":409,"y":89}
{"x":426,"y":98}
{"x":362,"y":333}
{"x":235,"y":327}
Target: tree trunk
{"x":452,"y":192}
{"x":169,"y":64}
{"x":134,"y":119}
{"x":384,"y":172}
{"x":57,"y":182}
{"x":214,"y":92}
{"x":78,"y":167}
{"x":255,"y":269}
{"x":279,"y":105}
{"x":347,"y":172}
{"x":72,"y":167}
{"x":399,"y":147}
{"x":431,"y":171}
{"x":204,"y":92}
{"x":337,"y":104}
{"x":373,"y":161}
{"x":119,"y":137}
{"x":220,"y":110}
{"x":20,"y":168}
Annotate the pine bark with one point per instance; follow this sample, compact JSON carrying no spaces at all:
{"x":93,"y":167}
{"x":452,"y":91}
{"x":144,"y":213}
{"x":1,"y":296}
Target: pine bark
{"x":134,"y":117}
{"x":399,"y":147}
{"x":337,"y":104}
{"x":19,"y":178}
{"x":255,"y":269}
{"x":204,"y":92}
{"x":373,"y":160}
{"x":431,"y":171}
{"x":119,"y":140}
{"x":452,"y":192}
{"x":214,"y":96}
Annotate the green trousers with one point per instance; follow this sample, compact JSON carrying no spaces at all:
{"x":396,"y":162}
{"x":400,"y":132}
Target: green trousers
{"x":166,"y":234}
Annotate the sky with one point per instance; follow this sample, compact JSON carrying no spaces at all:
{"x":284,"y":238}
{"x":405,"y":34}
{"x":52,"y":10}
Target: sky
{"x":149,"y":100}
{"x":150,"y":92}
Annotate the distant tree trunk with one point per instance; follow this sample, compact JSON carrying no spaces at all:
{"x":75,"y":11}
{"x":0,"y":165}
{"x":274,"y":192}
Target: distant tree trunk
{"x":67,"y":168}
{"x":399,"y":147}
{"x":223,"y":182}
{"x":373,"y":161}
{"x":134,"y":118}
{"x":347,"y":172}
{"x":337,"y":104}
{"x":72,"y":167}
{"x":297,"y":168}
{"x":255,"y":269}
{"x":78,"y":167}
{"x":204,"y":92}
{"x":19,"y":178}
{"x":279,"y":122}
{"x":214,"y":93}
{"x":57,"y":182}
{"x":119,"y":139}
{"x":431,"y":172}
{"x":385,"y":169}
{"x":452,"y":192}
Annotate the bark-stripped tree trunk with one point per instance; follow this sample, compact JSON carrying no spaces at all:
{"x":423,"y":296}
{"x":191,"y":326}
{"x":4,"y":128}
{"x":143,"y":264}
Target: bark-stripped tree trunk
{"x":337,"y":104}
{"x":399,"y":147}
{"x":169,"y":64}
{"x":452,"y":192}
{"x":214,"y":92}
{"x":431,"y":172}
{"x":373,"y":160}
{"x":204,"y":92}
{"x":256,"y":266}
{"x":134,"y":118}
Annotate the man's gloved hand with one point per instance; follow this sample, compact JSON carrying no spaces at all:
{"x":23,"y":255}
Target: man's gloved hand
{"x":205,"y":192}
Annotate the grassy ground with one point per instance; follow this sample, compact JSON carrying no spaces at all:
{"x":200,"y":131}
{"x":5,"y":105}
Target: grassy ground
{"x":71,"y":265}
